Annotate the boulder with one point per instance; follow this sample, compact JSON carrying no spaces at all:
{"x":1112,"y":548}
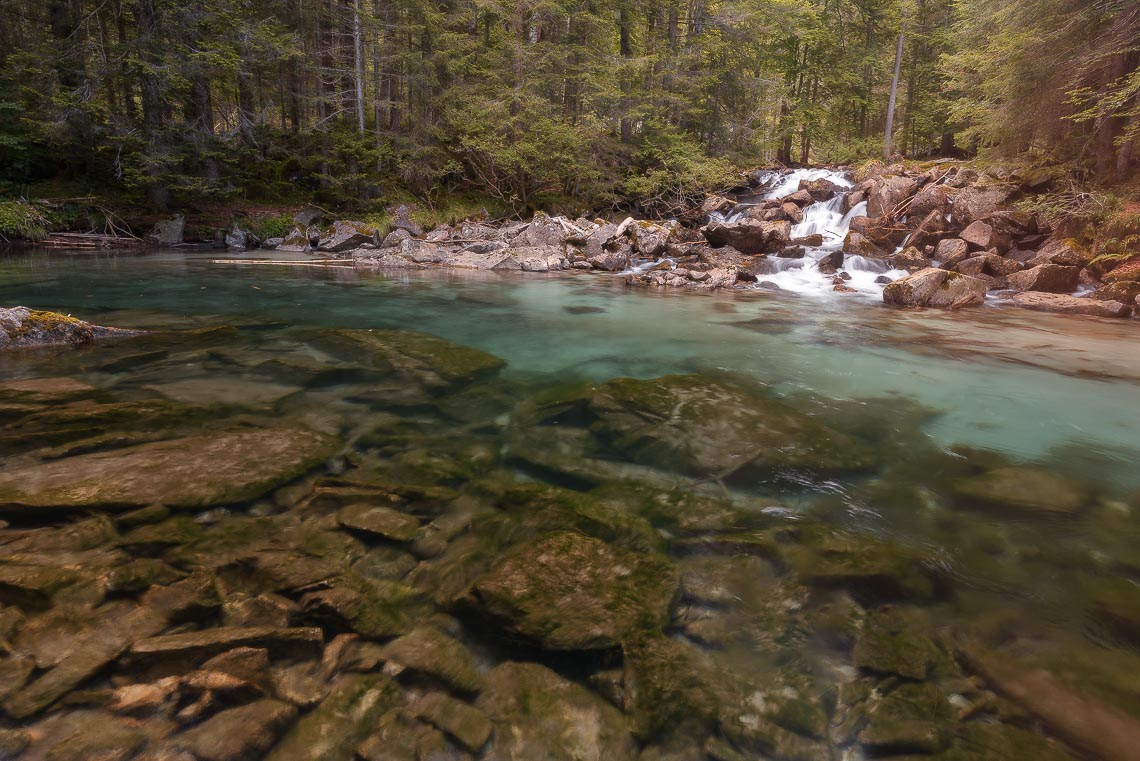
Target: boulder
{"x":466,"y":724}
{"x":333,"y":730}
{"x":395,"y":238}
{"x":748,"y":236}
{"x":539,"y":715}
{"x":1062,"y":304}
{"x":932,"y":198}
{"x":22,"y":327}
{"x":1049,"y":278}
{"x":800,"y":198}
{"x":191,"y":472}
{"x":934,"y":287}
{"x":820,"y":190}
{"x":379,"y":521}
{"x":792,"y":213}
{"x":567,"y":591}
{"x":910,"y":259}
{"x":951,"y":251}
{"x":296,"y":242}
{"x":240,"y":239}
{"x":701,"y":426}
{"x":169,"y":232}
{"x":716,"y":205}
{"x":974,"y":203}
{"x":1023,"y":490}
{"x":427,"y":651}
{"x":979,"y":236}
{"x":237,"y":733}
{"x":345,"y":236}
{"x":1065,"y":252}
{"x":861,"y":245}
{"x":888,"y":193}
{"x":272,"y":243}
{"x":1015,"y":223}
{"x":1125,"y":292}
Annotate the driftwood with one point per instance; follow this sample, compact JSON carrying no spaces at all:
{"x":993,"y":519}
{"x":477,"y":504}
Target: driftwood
{"x":88,"y":240}
{"x":284,"y":262}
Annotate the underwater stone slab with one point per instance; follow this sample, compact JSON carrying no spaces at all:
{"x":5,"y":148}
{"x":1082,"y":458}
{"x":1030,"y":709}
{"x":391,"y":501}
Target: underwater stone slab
{"x":379,"y":521}
{"x":209,"y":642}
{"x":706,"y":427}
{"x":333,"y":729}
{"x":1025,"y":490}
{"x":539,"y":715}
{"x":237,"y":733}
{"x":429,"y":651}
{"x":192,"y":472}
{"x":572,"y":592}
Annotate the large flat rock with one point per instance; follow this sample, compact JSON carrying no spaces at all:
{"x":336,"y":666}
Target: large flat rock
{"x":191,"y":472}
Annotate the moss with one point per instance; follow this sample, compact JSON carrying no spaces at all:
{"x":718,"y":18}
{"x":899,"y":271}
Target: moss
{"x":20,"y":220}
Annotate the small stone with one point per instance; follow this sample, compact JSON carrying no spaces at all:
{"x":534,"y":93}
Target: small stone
{"x":465,"y":723}
{"x":238,"y":733}
{"x":379,"y":521}
{"x":426,"y":650}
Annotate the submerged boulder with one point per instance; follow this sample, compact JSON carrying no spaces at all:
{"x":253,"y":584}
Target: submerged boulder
{"x":1024,"y":490}
{"x":539,"y":715}
{"x":567,"y":591}
{"x":192,"y":472}
{"x":933,"y":287}
{"x":703,"y":426}
{"x":23,"y":327}
{"x":1062,"y":304}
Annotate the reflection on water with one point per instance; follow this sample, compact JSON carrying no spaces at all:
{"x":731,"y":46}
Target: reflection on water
{"x":921,"y":418}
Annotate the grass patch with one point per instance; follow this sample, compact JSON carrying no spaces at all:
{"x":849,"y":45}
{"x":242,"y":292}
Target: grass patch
{"x":20,"y":220}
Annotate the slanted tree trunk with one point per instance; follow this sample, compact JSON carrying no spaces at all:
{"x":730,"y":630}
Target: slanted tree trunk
{"x":894,"y":95}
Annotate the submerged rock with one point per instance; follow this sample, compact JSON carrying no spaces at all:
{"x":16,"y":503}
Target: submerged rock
{"x":1024,"y":490}
{"x":21,"y":327}
{"x":539,"y":715}
{"x":571,"y":592}
{"x":333,"y":729}
{"x":426,"y":650}
{"x":1097,"y":306}
{"x":703,"y":426}
{"x":192,"y":472}
{"x":237,"y":733}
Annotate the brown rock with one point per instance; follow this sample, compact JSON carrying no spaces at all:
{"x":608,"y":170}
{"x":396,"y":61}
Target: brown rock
{"x":974,"y":203}
{"x":951,"y":251}
{"x":1124,"y":292}
{"x":209,"y":642}
{"x":465,"y":723}
{"x":1125,"y":273}
{"x":238,"y":733}
{"x":1052,"y":302}
{"x":979,"y":236}
{"x":934,"y":287}
{"x":1064,"y":252}
{"x":1050,"y":278}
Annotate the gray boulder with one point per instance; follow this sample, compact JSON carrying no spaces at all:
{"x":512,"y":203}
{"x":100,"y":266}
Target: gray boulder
{"x":345,"y":236}
{"x":240,"y":239}
{"x":933,"y":287}
{"x":22,"y":327}
{"x":168,"y":232}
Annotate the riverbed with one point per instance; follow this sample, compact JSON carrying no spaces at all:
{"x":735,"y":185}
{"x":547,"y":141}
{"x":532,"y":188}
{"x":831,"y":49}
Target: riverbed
{"x":927,"y":406}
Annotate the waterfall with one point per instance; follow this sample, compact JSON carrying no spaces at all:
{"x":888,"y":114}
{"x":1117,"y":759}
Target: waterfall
{"x":790,"y":182}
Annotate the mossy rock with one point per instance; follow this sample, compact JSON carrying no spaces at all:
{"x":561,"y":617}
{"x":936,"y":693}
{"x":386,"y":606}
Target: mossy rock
{"x":567,"y":591}
{"x":1024,"y":490}
{"x":140,"y":574}
{"x":542,"y":509}
{"x":539,"y":715}
{"x":914,"y":718}
{"x":669,"y":691}
{"x":703,"y":427}
{"x":679,"y":513}
{"x":434,"y":362}
{"x":333,"y":730}
{"x":372,"y":609}
{"x":891,"y":643}
{"x":1115,"y":604}
{"x":193,"y":472}
{"x":22,"y":327}
{"x":427,"y":651}
{"x":873,"y":570}
{"x":979,"y":741}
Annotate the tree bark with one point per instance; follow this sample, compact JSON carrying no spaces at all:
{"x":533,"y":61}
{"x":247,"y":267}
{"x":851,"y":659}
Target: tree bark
{"x":358,"y":61}
{"x":894,"y":95}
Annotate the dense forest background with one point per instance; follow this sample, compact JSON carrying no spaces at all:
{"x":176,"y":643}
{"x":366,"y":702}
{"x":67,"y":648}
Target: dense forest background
{"x":546,"y":102}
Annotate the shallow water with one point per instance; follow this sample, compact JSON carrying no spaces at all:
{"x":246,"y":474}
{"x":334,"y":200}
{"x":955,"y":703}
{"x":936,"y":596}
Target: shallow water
{"x":1043,"y":390}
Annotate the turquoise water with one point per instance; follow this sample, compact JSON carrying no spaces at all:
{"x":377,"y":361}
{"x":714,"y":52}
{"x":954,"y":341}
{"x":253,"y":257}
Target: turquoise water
{"x":1029,"y":385}
{"x":926,"y":390}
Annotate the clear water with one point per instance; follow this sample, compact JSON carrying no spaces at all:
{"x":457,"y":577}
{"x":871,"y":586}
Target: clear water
{"x":1053,"y":391}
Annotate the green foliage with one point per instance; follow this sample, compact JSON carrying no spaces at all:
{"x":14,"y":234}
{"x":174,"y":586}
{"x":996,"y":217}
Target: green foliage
{"x":20,"y":220}
{"x":669,"y":170}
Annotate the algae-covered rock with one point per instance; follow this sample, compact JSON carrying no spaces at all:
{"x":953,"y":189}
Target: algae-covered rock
{"x":379,"y":521}
{"x":196,"y":471}
{"x":332,"y":730}
{"x":668,"y":690}
{"x":434,"y":362}
{"x":1024,"y":490}
{"x":23,"y":327}
{"x":703,"y":426}
{"x":548,"y":508}
{"x":890,"y":644}
{"x":374,"y":609}
{"x":426,"y":650}
{"x":914,"y":718}
{"x":980,"y":741}
{"x":237,"y":733}
{"x":85,"y":734}
{"x":465,"y":723}
{"x":1115,"y":605}
{"x":539,"y":715}
{"x":571,"y":592}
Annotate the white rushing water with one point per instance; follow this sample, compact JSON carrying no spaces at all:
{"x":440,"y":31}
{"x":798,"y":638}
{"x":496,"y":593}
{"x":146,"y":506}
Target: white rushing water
{"x":825,"y":218}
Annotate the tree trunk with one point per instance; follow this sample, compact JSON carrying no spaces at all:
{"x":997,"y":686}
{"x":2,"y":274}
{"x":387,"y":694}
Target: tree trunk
{"x":894,"y":95}
{"x":358,"y":60}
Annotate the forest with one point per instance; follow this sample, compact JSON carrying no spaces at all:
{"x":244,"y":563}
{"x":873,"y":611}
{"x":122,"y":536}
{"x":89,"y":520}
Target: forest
{"x":532,"y":104}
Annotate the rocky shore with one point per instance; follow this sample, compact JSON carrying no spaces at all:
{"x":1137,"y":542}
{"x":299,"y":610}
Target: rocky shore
{"x":951,"y":238}
{"x":335,"y":544}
